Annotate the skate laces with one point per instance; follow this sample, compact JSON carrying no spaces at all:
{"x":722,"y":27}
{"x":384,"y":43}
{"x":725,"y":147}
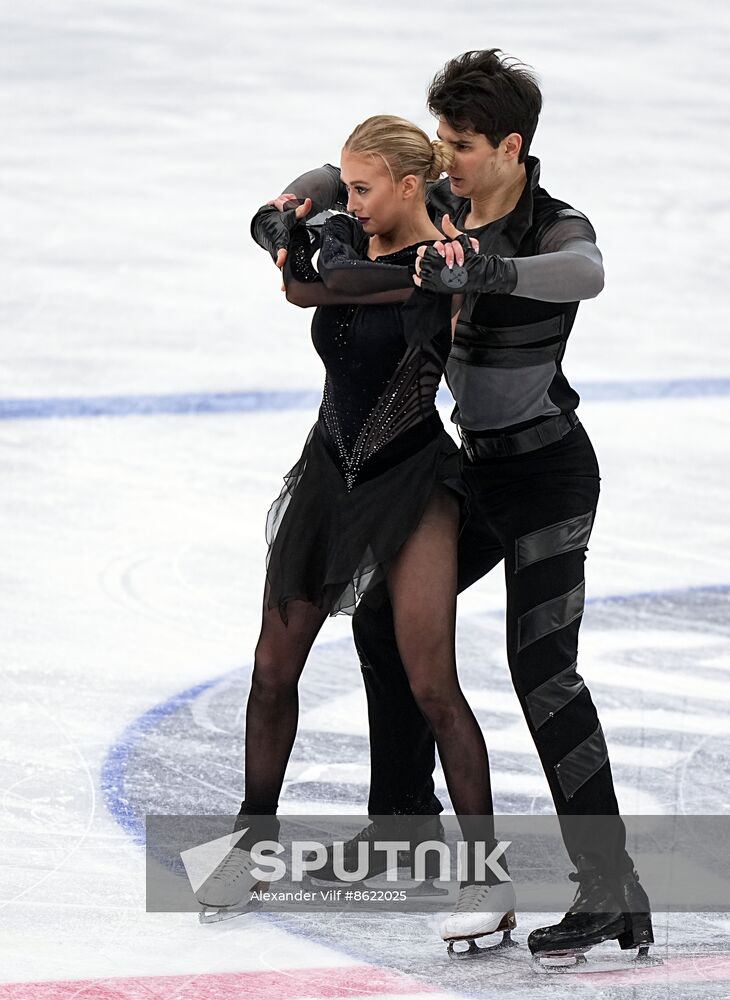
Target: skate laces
{"x":232,"y":867}
{"x":470,"y":897}
{"x":367,"y":833}
{"x":588,"y":882}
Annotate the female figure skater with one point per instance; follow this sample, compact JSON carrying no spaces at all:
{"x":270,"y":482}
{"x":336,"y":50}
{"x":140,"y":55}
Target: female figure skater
{"x":373,"y":495}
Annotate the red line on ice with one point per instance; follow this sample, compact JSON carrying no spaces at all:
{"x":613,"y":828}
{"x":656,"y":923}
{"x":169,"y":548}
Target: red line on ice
{"x":338,"y":981}
{"x":692,"y":969}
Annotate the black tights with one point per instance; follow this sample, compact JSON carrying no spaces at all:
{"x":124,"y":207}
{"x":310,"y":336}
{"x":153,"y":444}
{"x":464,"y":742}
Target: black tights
{"x":422,"y":583}
{"x":534,"y":511}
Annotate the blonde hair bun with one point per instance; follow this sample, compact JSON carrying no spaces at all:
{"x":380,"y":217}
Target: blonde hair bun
{"x":443,"y":157}
{"x":405,"y":148}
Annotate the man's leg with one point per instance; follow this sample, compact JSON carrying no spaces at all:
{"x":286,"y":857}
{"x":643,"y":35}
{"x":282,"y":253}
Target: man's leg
{"x":402,"y":748}
{"x":542,"y":506}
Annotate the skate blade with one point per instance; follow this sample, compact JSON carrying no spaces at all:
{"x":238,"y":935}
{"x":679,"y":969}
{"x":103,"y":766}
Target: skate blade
{"x":315,"y":881}
{"x":473,"y":950}
{"x":576,"y":963}
{"x":215,"y":914}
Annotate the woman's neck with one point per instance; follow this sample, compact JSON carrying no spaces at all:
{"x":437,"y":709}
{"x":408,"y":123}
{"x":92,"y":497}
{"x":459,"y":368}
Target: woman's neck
{"x":413,"y":228}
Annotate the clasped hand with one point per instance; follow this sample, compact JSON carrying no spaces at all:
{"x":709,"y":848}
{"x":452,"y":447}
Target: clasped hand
{"x":441,"y":266}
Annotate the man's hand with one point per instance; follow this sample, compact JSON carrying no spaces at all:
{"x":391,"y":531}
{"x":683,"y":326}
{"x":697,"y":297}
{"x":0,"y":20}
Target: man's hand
{"x":455,"y":266}
{"x":451,"y":251}
{"x":285,"y":202}
{"x":273,"y":223}
{"x":282,"y":203}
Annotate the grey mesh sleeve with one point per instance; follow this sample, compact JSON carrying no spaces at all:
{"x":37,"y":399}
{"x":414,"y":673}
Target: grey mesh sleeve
{"x":571,"y":274}
{"x":323,"y":186}
{"x":569,"y":265}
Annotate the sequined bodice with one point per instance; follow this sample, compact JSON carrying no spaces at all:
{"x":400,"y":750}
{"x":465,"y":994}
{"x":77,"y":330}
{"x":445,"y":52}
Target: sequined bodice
{"x":384,"y":364}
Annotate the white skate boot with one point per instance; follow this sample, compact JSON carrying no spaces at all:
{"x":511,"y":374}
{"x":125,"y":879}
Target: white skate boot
{"x":481,"y":910}
{"x":227,"y":891}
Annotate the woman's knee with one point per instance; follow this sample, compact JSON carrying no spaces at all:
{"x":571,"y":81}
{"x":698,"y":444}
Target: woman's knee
{"x":271,"y":680}
{"x":439,"y":702}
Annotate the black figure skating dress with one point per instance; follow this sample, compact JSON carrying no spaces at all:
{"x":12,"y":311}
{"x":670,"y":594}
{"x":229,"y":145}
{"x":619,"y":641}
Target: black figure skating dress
{"x":378,"y":449}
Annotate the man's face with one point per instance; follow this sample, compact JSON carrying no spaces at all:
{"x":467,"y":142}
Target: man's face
{"x":477,"y":166}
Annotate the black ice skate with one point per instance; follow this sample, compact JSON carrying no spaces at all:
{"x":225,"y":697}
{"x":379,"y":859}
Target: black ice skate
{"x":385,"y":828}
{"x":227,"y":892}
{"x":603,"y":910}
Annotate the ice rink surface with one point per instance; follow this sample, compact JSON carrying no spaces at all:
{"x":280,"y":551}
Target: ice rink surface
{"x":155,"y":386}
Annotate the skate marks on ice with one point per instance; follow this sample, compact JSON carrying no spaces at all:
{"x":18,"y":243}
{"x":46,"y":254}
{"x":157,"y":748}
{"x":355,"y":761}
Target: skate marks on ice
{"x":659,"y":668}
{"x":41,"y":830}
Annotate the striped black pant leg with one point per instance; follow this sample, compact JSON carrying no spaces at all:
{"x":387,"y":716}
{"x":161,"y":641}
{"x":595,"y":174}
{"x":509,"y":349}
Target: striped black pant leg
{"x":544,"y":517}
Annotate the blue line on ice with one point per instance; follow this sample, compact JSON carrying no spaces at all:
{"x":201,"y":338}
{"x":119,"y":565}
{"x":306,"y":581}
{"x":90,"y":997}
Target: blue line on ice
{"x":123,"y":810}
{"x":259,"y":401}
{"x":113,"y":770}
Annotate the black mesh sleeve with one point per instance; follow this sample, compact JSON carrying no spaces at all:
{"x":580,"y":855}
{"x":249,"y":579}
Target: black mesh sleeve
{"x":323,"y":186}
{"x":343,"y":262}
{"x":305,"y":285}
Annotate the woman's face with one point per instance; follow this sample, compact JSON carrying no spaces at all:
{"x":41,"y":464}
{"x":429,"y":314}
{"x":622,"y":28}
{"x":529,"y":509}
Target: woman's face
{"x":372,"y":196}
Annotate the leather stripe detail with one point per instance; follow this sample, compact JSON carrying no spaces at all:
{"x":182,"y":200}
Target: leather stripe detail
{"x":554,"y":694}
{"x":472,"y":334}
{"x":508,"y":357}
{"x":550,"y":616}
{"x":581,"y":764}
{"x":553,"y":540}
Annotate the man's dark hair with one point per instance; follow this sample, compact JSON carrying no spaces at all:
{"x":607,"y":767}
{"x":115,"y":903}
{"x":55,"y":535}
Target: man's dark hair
{"x":490,"y":93}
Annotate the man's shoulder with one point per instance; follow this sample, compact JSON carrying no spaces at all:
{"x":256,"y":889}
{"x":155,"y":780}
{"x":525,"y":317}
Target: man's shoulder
{"x":545,"y":206}
{"x":440,"y":199}
{"x":548,"y":211}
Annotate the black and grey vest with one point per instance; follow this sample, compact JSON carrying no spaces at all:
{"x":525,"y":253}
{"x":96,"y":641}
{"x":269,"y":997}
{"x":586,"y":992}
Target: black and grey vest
{"x":504,"y":369}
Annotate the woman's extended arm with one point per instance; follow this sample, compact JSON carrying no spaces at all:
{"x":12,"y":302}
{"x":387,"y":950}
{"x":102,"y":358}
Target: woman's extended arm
{"x":342,"y":277}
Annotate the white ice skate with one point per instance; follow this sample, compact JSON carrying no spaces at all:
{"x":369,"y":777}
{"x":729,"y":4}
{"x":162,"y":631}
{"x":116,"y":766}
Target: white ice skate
{"x":481,"y":910}
{"x":227,"y":891}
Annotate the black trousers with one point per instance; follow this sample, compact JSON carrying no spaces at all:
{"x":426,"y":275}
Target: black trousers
{"x":534,"y":511}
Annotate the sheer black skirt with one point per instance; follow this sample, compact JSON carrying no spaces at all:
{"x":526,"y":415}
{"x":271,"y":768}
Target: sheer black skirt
{"x":329,"y":545}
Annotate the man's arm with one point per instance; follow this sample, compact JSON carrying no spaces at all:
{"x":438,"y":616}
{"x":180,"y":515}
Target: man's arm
{"x":323,"y":186}
{"x":567,"y":268}
{"x":271,"y":226}
{"x":571,"y":274}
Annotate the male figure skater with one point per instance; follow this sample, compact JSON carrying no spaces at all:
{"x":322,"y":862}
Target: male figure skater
{"x":531,"y":471}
